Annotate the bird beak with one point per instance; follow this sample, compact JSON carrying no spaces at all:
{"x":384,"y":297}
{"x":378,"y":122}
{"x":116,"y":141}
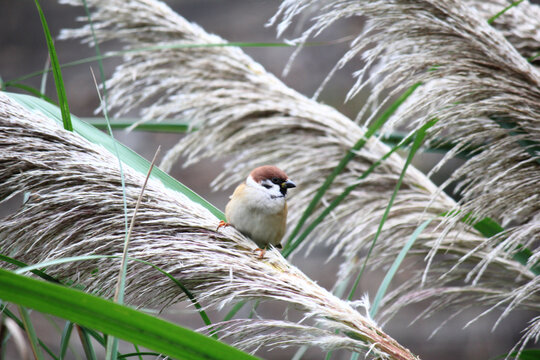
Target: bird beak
{"x":288,"y":184}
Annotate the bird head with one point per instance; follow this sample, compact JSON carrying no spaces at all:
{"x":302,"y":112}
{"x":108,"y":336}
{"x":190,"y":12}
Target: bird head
{"x":271,"y":179}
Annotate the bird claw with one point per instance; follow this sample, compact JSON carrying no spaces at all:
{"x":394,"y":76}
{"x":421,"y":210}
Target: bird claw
{"x":262,"y":252}
{"x":222,"y":224}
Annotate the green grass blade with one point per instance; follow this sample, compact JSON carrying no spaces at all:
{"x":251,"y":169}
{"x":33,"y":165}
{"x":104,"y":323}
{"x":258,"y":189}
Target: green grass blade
{"x":20,"y":264}
{"x":526,"y":354}
{"x":60,"y":89}
{"x":165,"y":125}
{"x":489,"y":227}
{"x":43,"y":86}
{"x":418,"y":140}
{"x":5,"y":311}
{"x":533,"y":57}
{"x":381,"y":120}
{"x":530,"y":146}
{"x":34,"y":92}
{"x":120,"y":53}
{"x":64,"y":341}
{"x":114,"y":319}
{"x":494,"y":17}
{"x":234,"y":310}
{"x":436,"y":145}
{"x":128,"y":156}
{"x":188,"y":293}
{"x":287,"y":251}
{"x":86,"y":342}
{"x":64,"y":260}
{"x":139,"y":354}
{"x":30,"y":331}
{"x":112,"y":342}
{"x":393,"y":269}
{"x":23,"y":268}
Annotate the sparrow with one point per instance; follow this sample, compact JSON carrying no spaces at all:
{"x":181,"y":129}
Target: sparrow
{"x":258,"y":208}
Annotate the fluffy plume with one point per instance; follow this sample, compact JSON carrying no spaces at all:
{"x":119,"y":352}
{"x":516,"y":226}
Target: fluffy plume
{"x":76,"y":208}
{"x":486,"y":94}
{"x":520,"y":25}
{"x":475,"y":82}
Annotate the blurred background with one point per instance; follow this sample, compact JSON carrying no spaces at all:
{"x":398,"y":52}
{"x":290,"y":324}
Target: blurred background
{"x":23,"y":51}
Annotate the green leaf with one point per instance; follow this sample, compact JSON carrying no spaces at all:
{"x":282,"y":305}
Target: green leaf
{"x":531,"y":146}
{"x":128,"y":156}
{"x":61,"y":91}
{"x":23,"y":268}
{"x":18,"y":263}
{"x":31,"y":332}
{"x":381,"y":120}
{"x":5,"y":311}
{"x":395,"y":266}
{"x":494,"y":17}
{"x":489,"y":227}
{"x":64,"y":341}
{"x":418,"y":140}
{"x":86,"y":343}
{"x":286,"y":252}
{"x":113,"y":319}
{"x":33,"y":91}
{"x":120,"y":53}
{"x":165,"y":125}
{"x":527,"y":354}
{"x":139,"y":354}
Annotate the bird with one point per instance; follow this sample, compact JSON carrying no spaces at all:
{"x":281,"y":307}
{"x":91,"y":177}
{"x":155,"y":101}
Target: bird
{"x":258,"y":207}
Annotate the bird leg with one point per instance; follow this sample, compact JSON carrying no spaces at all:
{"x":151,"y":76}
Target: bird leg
{"x":262,"y":252}
{"x":222,"y":224}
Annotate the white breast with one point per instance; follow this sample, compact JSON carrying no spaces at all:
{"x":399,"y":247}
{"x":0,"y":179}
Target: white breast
{"x":258,"y":215}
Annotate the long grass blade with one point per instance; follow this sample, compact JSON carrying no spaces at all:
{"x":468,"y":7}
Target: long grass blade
{"x":112,"y":343}
{"x":10,"y":330}
{"x":188,"y":293}
{"x":393,"y":269}
{"x":287,"y":251}
{"x":381,"y":120}
{"x":111,"y":318}
{"x":418,"y":140}
{"x":20,"y":264}
{"x":5,"y":311}
{"x":492,"y":19}
{"x":25,"y":268}
{"x":64,"y":341}
{"x":139,"y":354}
{"x":120,"y":287}
{"x":137,"y":351}
{"x":120,"y":53}
{"x":33,"y":91}
{"x":86,"y":343}
{"x":59,"y":82}
{"x":489,"y":227}
{"x":165,"y":125}
{"x":31,"y":332}
{"x":43,"y":85}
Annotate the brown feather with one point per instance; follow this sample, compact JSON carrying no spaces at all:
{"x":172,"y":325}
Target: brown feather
{"x":268,"y":172}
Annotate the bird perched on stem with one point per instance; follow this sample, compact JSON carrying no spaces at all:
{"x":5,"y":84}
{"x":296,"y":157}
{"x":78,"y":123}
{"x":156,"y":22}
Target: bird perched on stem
{"x":258,"y":208}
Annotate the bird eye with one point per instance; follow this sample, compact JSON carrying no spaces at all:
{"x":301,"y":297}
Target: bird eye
{"x":268,"y":186}
{"x":275,"y":180}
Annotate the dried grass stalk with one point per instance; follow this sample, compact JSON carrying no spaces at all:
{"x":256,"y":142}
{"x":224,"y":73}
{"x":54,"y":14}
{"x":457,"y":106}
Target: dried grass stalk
{"x":75,"y":208}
